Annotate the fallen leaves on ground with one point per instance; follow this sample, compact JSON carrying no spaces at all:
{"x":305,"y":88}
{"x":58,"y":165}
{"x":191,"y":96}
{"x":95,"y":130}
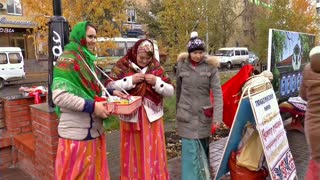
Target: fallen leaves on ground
{"x":173,"y":140}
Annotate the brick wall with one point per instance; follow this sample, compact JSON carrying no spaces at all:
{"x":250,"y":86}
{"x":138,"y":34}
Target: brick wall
{"x":30,"y":139}
{"x":24,"y":153}
{"x":15,"y":112}
{"x":6,"y":157}
{"x":17,"y":115}
{"x":44,"y":125}
{"x":2,"y":125}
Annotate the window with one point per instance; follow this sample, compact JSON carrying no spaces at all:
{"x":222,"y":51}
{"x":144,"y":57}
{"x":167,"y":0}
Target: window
{"x":131,"y":15}
{"x":318,"y":10}
{"x":243,"y":52}
{"x":14,"y":7}
{"x":246,"y":32}
{"x":3,"y":58}
{"x":15,"y":58}
{"x":237,"y":53}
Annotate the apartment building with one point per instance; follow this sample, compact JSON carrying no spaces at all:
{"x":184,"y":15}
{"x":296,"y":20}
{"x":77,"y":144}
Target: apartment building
{"x":245,"y":32}
{"x":16,"y":28}
{"x":318,"y":7}
{"x":133,"y":28}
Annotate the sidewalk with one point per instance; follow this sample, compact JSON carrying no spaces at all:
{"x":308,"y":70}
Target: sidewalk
{"x":296,"y":140}
{"x":33,"y":78}
{"x":113,"y":149}
{"x":297,"y":143}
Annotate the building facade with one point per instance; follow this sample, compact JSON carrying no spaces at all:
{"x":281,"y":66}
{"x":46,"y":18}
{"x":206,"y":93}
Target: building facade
{"x":245,"y":32}
{"x":318,"y":7}
{"x":133,"y":28}
{"x":16,"y":29}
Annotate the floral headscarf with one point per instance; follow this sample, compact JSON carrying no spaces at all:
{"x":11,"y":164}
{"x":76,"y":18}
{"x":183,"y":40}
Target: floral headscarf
{"x":145,"y":46}
{"x":123,"y":68}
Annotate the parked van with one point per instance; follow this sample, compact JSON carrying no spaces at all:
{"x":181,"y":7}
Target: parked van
{"x":11,"y":65}
{"x":231,"y":56}
{"x":122,"y":46}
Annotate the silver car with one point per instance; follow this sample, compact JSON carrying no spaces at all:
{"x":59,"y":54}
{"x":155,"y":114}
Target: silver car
{"x":253,"y":58}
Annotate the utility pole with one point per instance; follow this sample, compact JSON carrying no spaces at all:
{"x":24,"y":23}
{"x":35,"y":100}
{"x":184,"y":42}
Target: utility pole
{"x":58,"y":37}
{"x":207,"y":27}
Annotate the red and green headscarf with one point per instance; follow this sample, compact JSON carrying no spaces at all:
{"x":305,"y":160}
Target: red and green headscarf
{"x":123,"y":68}
{"x":70,"y":73}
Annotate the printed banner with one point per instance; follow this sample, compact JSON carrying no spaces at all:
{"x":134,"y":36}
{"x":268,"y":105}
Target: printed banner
{"x":273,"y":135}
{"x":288,"y":53}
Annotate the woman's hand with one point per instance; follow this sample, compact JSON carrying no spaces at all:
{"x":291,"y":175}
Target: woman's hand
{"x":101,"y":110}
{"x":119,"y":94}
{"x":215,"y":126}
{"x":137,"y":78}
{"x":150,"y":79}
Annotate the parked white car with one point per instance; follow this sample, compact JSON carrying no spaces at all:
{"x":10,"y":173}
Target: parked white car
{"x":231,"y":56}
{"x":11,"y":65}
{"x":253,"y":58}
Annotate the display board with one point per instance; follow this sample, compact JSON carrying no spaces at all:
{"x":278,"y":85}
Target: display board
{"x":262,"y":110}
{"x":288,"y":53}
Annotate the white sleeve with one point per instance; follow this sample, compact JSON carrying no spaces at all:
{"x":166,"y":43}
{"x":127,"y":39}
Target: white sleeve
{"x":125,"y":83}
{"x":163,"y":88}
{"x":65,"y":99}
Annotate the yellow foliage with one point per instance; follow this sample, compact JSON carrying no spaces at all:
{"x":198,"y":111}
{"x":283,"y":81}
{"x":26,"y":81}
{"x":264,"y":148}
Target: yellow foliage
{"x":178,"y":20}
{"x":106,"y":15}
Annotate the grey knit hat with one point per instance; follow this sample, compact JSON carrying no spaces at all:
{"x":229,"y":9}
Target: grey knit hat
{"x":195,"y":43}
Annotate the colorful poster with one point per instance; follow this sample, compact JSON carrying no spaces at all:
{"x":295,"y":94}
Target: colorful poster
{"x":273,"y":135}
{"x":288,"y":53}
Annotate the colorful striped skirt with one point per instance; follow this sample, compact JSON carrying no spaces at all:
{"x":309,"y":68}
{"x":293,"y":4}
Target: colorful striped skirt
{"x":82,"y":159}
{"x":143,"y":152}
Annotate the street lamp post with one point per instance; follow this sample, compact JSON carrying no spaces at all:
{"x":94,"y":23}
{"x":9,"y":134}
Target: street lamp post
{"x":207,"y":27}
{"x":58,"y":37}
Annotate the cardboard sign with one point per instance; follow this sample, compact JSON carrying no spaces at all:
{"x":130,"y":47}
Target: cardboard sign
{"x":273,"y":135}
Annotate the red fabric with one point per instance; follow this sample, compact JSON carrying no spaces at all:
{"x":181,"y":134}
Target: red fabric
{"x":36,"y":94}
{"x":213,"y":129}
{"x":313,"y":171}
{"x":231,"y":93}
{"x":194,"y":64}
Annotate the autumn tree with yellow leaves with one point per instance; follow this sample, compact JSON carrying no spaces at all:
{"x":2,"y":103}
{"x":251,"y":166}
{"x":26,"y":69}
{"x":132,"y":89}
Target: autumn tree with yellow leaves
{"x":178,"y":20}
{"x":107,"y":15}
{"x":172,"y":21}
{"x":293,"y":15}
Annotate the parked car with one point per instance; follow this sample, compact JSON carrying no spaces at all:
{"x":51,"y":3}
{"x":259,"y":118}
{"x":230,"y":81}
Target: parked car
{"x":253,"y":58}
{"x":231,"y":56}
{"x":11,"y":65}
